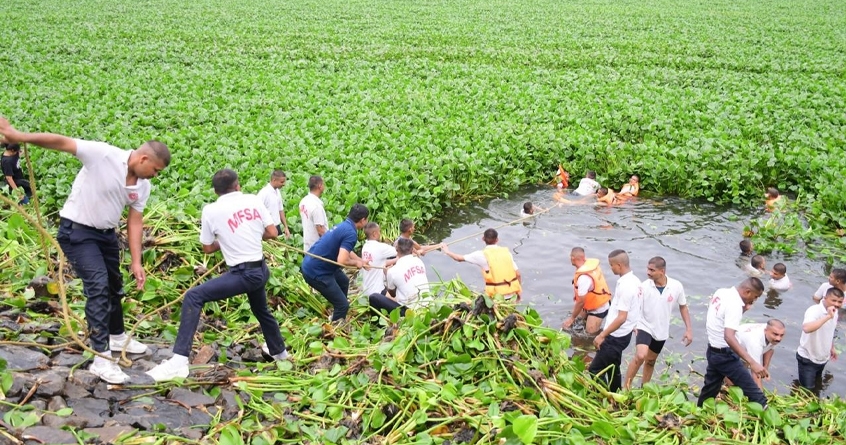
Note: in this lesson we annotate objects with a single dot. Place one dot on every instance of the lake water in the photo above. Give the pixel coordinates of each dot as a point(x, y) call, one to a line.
point(698, 240)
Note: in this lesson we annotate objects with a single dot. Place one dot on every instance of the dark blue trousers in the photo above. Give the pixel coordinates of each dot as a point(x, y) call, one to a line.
point(334, 288)
point(382, 302)
point(238, 280)
point(724, 363)
point(809, 372)
point(610, 354)
point(95, 257)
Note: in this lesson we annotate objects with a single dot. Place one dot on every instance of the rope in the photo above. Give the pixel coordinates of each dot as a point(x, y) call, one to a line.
point(527, 217)
point(33, 189)
point(286, 246)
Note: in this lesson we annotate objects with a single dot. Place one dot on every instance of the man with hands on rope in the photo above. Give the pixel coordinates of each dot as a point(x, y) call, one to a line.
point(110, 179)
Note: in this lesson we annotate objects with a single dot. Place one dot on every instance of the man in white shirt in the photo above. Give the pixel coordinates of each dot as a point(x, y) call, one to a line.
point(378, 254)
point(660, 293)
point(497, 264)
point(816, 345)
point(760, 340)
point(272, 199)
point(779, 281)
point(407, 282)
point(235, 225)
point(724, 351)
point(312, 214)
point(621, 320)
point(110, 180)
point(587, 185)
point(837, 278)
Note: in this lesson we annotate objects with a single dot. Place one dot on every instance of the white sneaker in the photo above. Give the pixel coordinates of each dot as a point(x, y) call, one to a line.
point(168, 370)
point(280, 356)
point(134, 346)
point(108, 371)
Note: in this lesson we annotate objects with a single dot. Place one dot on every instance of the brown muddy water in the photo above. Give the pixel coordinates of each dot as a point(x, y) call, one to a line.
point(698, 240)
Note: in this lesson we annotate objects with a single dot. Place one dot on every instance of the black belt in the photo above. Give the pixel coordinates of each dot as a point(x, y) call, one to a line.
point(503, 283)
point(78, 226)
point(249, 265)
point(719, 350)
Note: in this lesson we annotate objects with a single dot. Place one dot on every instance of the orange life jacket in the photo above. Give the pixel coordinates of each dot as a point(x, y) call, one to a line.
point(501, 277)
point(630, 189)
point(773, 203)
point(563, 177)
point(609, 198)
point(600, 293)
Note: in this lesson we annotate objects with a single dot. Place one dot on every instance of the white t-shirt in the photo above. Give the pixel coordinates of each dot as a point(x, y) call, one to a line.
point(724, 311)
point(408, 277)
point(478, 258)
point(99, 192)
point(780, 285)
point(237, 221)
point(586, 187)
point(312, 214)
point(753, 339)
point(377, 253)
point(272, 199)
point(657, 307)
point(627, 298)
point(820, 293)
point(816, 346)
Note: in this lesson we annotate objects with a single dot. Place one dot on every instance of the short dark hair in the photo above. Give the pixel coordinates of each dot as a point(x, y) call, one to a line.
point(406, 225)
point(745, 246)
point(776, 323)
point(753, 283)
point(160, 150)
point(527, 207)
point(358, 212)
point(834, 292)
point(370, 229)
point(11, 147)
point(757, 261)
point(405, 246)
point(314, 182)
point(603, 190)
point(490, 236)
point(780, 268)
point(839, 275)
point(577, 251)
point(224, 181)
point(772, 191)
point(278, 174)
point(619, 256)
point(658, 262)
point(592, 174)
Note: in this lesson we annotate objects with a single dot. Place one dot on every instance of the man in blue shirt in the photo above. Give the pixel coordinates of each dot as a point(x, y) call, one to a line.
point(336, 245)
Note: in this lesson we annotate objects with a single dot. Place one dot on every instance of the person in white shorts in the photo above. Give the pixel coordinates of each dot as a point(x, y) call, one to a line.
point(660, 293)
point(759, 340)
point(312, 213)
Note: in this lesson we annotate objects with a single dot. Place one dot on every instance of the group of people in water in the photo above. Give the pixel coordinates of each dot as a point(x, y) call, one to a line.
point(394, 277)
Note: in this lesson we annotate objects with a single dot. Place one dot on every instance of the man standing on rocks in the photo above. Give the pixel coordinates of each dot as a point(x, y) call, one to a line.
point(235, 225)
point(110, 179)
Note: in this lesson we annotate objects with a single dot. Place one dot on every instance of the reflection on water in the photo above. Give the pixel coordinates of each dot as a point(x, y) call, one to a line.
point(698, 240)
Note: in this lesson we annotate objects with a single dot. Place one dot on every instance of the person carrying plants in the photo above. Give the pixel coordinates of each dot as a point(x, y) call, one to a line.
point(630, 189)
point(110, 180)
point(816, 345)
point(407, 232)
point(312, 213)
point(272, 199)
point(498, 267)
point(623, 316)
point(235, 225)
point(759, 340)
point(407, 282)
point(336, 245)
point(11, 165)
point(660, 293)
point(377, 254)
point(724, 352)
point(590, 292)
